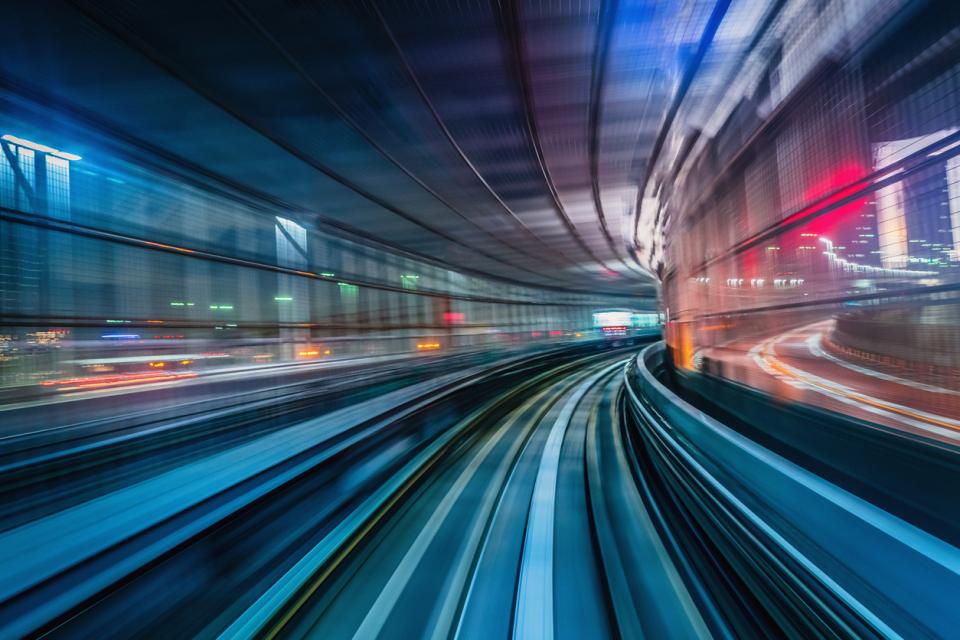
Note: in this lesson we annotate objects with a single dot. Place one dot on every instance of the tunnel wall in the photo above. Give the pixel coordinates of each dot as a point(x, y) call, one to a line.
point(123, 253)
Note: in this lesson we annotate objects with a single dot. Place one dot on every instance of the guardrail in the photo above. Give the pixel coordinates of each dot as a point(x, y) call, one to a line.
point(776, 548)
point(901, 471)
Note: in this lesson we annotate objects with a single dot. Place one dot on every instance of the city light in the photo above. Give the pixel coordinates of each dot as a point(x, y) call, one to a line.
point(646, 319)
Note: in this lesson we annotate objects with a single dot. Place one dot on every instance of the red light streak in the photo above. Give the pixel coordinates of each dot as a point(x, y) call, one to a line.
point(119, 380)
point(845, 182)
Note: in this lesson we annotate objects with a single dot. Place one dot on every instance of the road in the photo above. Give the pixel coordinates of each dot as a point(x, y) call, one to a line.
point(795, 365)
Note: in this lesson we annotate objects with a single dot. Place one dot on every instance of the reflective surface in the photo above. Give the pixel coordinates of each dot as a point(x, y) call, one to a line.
point(818, 258)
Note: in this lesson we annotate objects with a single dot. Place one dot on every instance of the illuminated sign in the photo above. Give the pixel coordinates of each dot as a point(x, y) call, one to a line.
point(612, 319)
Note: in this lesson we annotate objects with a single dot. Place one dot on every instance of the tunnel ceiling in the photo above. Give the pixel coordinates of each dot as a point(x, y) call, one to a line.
point(507, 139)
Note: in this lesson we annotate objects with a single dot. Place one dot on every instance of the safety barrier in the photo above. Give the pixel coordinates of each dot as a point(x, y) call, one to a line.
point(778, 548)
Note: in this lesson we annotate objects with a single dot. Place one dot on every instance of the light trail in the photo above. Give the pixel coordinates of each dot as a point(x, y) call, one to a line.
point(815, 346)
point(765, 356)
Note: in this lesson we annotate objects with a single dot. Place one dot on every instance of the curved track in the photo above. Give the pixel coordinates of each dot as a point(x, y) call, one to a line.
point(491, 504)
point(510, 536)
point(569, 495)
